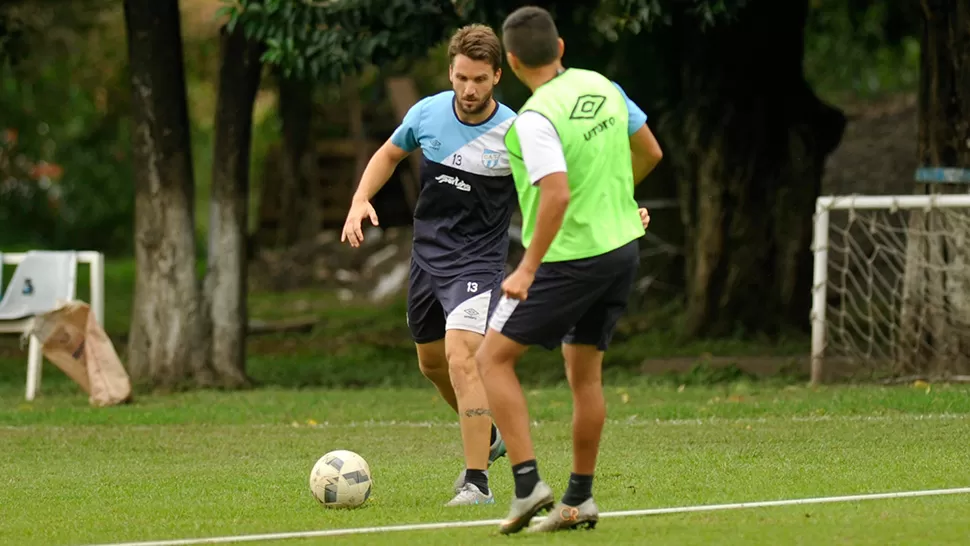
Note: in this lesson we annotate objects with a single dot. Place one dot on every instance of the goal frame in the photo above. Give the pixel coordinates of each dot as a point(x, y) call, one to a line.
point(820, 244)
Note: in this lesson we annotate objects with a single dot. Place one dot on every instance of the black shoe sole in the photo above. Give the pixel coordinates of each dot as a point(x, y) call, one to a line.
point(589, 525)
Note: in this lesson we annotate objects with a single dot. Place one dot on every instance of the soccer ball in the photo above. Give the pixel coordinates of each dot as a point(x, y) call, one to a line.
point(340, 479)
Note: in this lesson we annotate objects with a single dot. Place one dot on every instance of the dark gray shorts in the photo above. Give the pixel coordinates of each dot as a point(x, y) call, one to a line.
point(460, 302)
point(575, 302)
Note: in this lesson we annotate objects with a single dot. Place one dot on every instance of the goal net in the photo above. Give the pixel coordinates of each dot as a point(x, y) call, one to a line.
point(891, 290)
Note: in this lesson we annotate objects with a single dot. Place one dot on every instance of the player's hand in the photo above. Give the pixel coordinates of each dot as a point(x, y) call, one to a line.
point(516, 286)
point(645, 217)
point(352, 226)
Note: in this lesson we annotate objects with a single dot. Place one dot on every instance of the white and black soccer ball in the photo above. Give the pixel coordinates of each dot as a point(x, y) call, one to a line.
point(341, 479)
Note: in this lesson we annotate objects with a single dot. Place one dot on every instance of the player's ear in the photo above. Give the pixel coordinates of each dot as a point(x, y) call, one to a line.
point(498, 76)
point(562, 47)
point(513, 62)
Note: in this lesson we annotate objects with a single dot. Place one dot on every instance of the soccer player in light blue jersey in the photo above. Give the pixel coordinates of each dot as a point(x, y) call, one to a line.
point(460, 245)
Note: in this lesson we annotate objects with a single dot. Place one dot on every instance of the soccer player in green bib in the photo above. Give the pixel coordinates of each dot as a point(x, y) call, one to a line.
point(577, 149)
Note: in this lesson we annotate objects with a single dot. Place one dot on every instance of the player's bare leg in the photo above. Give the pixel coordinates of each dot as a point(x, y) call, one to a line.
point(497, 358)
point(584, 371)
point(474, 416)
point(473, 413)
point(434, 365)
point(433, 362)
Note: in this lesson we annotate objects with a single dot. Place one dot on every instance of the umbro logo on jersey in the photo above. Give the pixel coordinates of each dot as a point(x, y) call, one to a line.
point(453, 181)
point(587, 106)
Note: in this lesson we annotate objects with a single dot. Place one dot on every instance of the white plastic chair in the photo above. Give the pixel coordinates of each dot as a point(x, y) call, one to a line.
point(43, 281)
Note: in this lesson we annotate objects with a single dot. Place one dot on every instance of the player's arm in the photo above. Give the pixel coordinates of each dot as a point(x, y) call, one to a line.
point(545, 162)
point(644, 149)
point(381, 166)
point(378, 171)
point(645, 152)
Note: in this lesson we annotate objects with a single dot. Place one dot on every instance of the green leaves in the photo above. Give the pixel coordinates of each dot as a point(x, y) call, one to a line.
point(325, 39)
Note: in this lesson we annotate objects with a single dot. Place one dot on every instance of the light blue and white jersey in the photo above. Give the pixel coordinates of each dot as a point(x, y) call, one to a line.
point(467, 195)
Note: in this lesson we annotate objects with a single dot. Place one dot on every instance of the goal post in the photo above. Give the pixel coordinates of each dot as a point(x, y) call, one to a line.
point(891, 284)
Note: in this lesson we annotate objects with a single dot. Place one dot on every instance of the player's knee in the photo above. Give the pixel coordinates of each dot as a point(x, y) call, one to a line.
point(460, 348)
point(433, 369)
point(584, 364)
point(480, 360)
point(484, 359)
point(432, 361)
point(461, 359)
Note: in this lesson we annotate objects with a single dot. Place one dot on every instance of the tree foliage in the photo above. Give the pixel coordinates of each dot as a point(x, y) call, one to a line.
point(26, 26)
point(862, 48)
point(610, 19)
point(325, 39)
point(64, 148)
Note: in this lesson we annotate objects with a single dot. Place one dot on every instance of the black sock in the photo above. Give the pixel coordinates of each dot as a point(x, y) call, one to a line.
point(478, 479)
point(580, 489)
point(494, 434)
point(526, 475)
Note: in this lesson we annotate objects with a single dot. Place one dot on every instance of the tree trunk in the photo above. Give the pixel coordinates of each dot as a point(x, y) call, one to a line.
point(935, 337)
point(166, 345)
point(944, 95)
point(226, 292)
point(296, 110)
point(748, 141)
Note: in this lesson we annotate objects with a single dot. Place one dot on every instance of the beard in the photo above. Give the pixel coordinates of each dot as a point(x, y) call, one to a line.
point(476, 108)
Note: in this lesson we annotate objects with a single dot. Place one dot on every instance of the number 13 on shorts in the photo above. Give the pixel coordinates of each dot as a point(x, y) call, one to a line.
point(472, 287)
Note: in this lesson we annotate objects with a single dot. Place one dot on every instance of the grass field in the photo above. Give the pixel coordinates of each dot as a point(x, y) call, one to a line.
point(212, 464)
point(209, 463)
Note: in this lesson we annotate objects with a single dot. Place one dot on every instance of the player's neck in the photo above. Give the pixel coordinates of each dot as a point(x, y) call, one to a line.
point(475, 119)
point(537, 77)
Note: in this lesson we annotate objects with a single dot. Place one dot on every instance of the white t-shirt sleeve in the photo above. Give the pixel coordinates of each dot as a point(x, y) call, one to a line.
point(541, 148)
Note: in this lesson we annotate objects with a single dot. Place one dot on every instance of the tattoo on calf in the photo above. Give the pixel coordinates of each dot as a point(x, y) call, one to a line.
point(477, 412)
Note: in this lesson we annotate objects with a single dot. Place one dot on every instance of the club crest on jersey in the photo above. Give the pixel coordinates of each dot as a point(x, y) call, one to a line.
point(490, 158)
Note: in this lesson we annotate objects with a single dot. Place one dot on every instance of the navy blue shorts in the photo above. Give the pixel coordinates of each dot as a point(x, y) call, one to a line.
point(577, 302)
point(460, 302)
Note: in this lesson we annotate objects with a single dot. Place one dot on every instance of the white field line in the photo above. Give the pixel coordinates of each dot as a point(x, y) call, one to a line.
point(483, 523)
point(630, 421)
